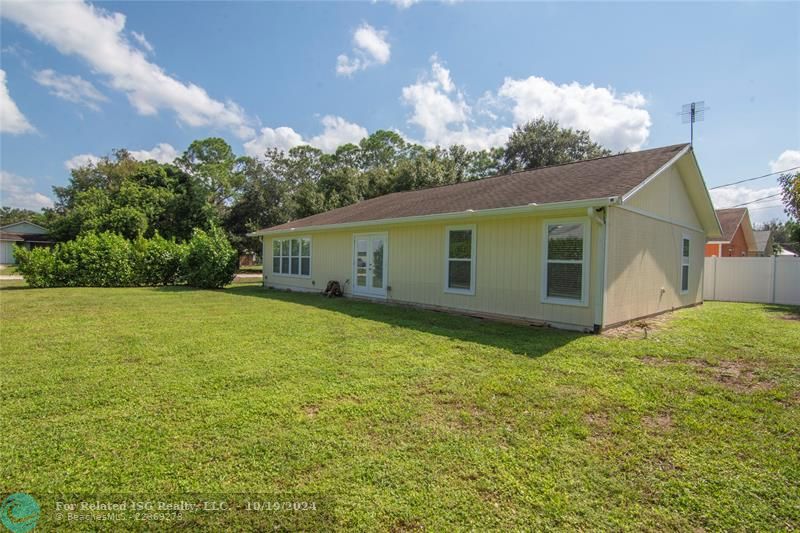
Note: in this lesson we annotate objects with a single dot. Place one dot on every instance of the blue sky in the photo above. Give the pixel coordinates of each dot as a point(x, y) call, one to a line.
point(80, 80)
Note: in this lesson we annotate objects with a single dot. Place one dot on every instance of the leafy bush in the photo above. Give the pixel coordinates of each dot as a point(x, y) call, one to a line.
point(37, 266)
point(95, 260)
point(158, 261)
point(109, 260)
point(211, 261)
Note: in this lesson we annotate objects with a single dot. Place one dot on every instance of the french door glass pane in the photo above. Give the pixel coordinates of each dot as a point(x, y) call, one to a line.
point(565, 242)
point(459, 275)
point(565, 280)
point(361, 262)
point(377, 263)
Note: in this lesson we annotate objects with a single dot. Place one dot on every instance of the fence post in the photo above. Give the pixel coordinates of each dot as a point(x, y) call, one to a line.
point(714, 287)
point(773, 280)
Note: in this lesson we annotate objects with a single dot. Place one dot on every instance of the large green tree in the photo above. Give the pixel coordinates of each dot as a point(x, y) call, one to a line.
point(131, 198)
point(541, 142)
point(214, 163)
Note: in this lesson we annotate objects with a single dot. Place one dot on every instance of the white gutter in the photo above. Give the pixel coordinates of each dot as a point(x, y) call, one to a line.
point(500, 211)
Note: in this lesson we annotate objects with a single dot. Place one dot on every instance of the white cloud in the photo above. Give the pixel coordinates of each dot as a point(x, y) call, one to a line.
point(98, 36)
point(81, 160)
point(618, 122)
point(16, 191)
point(370, 47)
point(71, 88)
point(11, 118)
point(443, 115)
point(162, 152)
point(788, 159)
point(336, 132)
point(143, 42)
point(282, 138)
point(403, 4)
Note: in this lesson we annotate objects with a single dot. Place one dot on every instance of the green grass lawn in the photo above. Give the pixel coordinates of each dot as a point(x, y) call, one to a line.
point(392, 418)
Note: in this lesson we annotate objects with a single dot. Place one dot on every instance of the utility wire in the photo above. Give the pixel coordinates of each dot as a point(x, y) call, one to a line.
point(756, 178)
point(759, 200)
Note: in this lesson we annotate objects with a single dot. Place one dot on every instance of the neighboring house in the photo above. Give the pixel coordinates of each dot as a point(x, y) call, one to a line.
point(584, 245)
point(763, 243)
point(738, 239)
point(25, 234)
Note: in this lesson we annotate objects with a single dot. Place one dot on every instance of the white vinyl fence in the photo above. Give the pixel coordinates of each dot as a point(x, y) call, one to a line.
point(772, 280)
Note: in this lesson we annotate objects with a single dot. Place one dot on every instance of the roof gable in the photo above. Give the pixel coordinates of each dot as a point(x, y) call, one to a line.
point(600, 178)
point(24, 226)
point(731, 220)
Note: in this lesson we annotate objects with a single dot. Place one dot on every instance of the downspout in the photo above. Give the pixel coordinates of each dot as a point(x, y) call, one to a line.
point(599, 216)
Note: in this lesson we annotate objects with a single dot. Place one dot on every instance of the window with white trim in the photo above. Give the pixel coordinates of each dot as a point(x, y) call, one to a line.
point(292, 257)
point(686, 246)
point(460, 259)
point(566, 265)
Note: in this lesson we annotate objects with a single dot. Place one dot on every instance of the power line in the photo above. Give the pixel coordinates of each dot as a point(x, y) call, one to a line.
point(759, 200)
point(753, 179)
point(765, 207)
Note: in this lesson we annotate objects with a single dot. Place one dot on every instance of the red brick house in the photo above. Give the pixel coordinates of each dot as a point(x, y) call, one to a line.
point(738, 238)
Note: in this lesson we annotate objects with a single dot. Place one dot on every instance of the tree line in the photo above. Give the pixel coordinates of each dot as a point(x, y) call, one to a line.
point(209, 185)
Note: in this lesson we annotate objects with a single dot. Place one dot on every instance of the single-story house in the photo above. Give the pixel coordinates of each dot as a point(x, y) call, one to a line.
point(738, 238)
point(584, 245)
point(23, 233)
point(763, 243)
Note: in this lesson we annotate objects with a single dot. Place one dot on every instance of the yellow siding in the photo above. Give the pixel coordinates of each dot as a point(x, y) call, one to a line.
point(508, 266)
point(644, 256)
point(666, 197)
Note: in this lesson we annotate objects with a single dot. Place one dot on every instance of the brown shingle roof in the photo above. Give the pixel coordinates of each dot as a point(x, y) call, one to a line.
point(583, 180)
point(730, 219)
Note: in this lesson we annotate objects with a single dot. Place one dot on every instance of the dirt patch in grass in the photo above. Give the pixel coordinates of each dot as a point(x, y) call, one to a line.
point(659, 422)
point(740, 376)
point(311, 410)
point(639, 329)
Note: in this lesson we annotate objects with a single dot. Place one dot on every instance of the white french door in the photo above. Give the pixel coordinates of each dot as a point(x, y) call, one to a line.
point(369, 264)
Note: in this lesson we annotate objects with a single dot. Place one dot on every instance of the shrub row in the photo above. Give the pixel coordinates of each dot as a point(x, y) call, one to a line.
point(109, 260)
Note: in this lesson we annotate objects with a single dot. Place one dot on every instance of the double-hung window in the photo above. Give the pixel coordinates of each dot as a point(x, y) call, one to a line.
point(292, 257)
point(460, 259)
point(686, 246)
point(566, 262)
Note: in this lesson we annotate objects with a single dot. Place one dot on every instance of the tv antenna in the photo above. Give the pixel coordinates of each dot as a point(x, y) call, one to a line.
point(691, 113)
